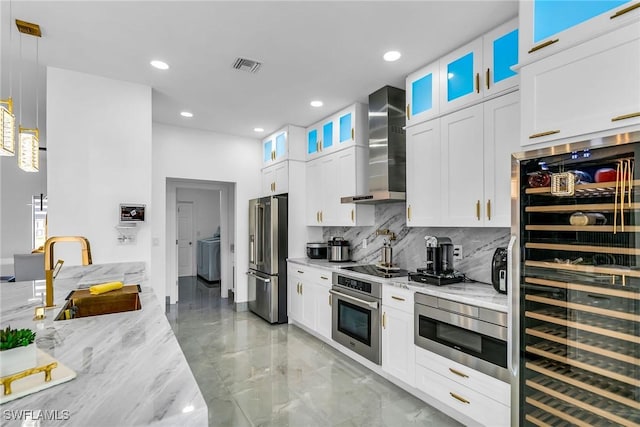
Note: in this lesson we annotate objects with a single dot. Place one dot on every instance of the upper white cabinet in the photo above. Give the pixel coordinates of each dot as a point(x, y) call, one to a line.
point(458, 166)
point(591, 87)
point(275, 179)
point(548, 27)
point(423, 94)
point(343, 129)
point(331, 177)
point(286, 144)
point(480, 68)
point(424, 169)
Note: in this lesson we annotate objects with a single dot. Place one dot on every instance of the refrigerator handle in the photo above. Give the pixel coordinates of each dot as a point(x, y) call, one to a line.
point(513, 323)
point(260, 234)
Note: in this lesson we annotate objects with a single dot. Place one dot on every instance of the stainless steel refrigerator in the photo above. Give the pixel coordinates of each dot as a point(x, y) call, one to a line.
point(574, 280)
point(267, 258)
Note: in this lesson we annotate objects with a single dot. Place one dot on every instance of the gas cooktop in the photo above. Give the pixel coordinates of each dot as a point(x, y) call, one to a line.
point(374, 270)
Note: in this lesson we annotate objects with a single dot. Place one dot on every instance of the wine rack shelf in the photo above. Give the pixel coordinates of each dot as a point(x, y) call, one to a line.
point(596, 189)
point(593, 228)
point(621, 293)
point(583, 268)
point(591, 207)
point(583, 248)
point(621, 314)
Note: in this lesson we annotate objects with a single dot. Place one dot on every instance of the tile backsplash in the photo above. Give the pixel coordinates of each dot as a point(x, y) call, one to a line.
point(478, 244)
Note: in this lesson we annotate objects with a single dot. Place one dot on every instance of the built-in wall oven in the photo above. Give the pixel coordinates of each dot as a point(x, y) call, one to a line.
point(470, 335)
point(356, 315)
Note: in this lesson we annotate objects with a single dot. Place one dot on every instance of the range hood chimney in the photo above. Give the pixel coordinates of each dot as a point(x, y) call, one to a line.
point(387, 148)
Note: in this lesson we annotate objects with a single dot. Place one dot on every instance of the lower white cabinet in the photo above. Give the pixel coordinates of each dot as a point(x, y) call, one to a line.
point(591, 87)
point(309, 302)
point(472, 393)
point(398, 350)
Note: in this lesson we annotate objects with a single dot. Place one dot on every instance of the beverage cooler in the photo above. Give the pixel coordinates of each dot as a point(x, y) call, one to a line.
point(574, 284)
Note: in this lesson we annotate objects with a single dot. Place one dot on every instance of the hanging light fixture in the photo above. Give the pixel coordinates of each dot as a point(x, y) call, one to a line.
point(7, 125)
point(7, 118)
point(29, 138)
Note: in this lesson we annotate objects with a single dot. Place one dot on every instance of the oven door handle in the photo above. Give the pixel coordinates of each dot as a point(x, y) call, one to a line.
point(372, 304)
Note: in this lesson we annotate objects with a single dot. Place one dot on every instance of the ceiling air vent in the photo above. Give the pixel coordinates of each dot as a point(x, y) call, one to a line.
point(248, 65)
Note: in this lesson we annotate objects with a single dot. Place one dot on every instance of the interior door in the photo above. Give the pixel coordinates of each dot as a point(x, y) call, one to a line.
point(185, 239)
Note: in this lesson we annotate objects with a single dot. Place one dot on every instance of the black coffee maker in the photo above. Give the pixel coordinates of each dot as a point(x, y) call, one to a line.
point(439, 255)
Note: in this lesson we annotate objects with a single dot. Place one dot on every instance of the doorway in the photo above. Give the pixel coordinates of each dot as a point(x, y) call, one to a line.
point(201, 195)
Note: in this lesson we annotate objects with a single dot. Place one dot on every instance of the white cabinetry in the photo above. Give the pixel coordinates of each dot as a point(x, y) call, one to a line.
point(592, 87)
point(548, 27)
point(279, 149)
point(275, 179)
point(331, 177)
point(398, 350)
point(472, 393)
point(458, 166)
point(309, 302)
point(423, 94)
point(346, 128)
point(424, 169)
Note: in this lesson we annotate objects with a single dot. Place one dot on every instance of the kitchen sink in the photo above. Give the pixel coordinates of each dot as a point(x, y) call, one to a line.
point(80, 303)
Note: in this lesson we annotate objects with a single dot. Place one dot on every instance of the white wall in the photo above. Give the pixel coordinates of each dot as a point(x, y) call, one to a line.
point(206, 210)
point(99, 155)
point(181, 153)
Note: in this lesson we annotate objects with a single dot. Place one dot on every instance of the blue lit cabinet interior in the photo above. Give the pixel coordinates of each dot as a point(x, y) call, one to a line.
point(313, 140)
point(500, 50)
point(274, 148)
point(343, 129)
point(423, 94)
point(549, 26)
point(460, 76)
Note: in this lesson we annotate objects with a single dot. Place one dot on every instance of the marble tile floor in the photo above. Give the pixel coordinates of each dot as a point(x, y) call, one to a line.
point(255, 374)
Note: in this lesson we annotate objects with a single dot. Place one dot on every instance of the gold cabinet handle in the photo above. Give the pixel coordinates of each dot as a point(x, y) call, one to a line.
point(489, 209)
point(477, 82)
point(460, 374)
point(321, 220)
point(324, 277)
point(330, 299)
point(384, 320)
point(478, 210)
point(317, 216)
point(353, 134)
point(397, 298)
point(625, 10)
point(409, 213)
point(543, 45)
point(353, 215)
point(408, 111)
point(458, 397)
point(626, 116)
point(300, 271)
point(300, 288)
point(541, 134)
point(488, 78)
point(274, 186)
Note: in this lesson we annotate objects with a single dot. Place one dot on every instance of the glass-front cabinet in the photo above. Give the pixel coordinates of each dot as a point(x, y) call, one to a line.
point(580, 288)
point(549, 26)
point(460, 76)
point(423, 94)
point(343, 129)
point(284, 144)
point(500, 52)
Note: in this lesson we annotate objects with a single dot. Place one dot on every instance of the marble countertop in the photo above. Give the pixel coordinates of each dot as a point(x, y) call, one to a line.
point(130, 368)
point(475, 293)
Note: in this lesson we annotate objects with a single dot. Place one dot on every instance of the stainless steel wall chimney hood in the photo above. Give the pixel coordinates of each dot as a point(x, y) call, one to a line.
point(387, 148)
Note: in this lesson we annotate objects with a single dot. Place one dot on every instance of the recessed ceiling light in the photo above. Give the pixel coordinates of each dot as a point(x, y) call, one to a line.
point(316, 103)
point(186, 114)
point(160, 65)
point(392, 55)
point(258, 130)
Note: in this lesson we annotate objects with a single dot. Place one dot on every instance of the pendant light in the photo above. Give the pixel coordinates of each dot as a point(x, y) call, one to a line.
point(7, 118)
point(29, 145)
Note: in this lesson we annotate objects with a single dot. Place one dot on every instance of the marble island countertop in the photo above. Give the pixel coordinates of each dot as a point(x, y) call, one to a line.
point(475, 293)
point(130, 368)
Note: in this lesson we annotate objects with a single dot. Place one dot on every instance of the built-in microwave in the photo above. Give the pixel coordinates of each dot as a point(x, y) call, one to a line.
point(470, 335)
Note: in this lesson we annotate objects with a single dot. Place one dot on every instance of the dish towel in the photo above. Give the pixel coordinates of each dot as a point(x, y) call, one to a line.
point(105, 287)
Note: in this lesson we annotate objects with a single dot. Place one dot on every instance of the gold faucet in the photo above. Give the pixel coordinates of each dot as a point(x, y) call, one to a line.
point(49, 264)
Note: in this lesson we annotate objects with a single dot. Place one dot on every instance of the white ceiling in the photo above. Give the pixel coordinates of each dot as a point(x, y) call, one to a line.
point(328, 50)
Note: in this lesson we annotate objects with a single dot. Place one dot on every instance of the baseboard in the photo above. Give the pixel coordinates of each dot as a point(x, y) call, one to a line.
point(241, 306)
